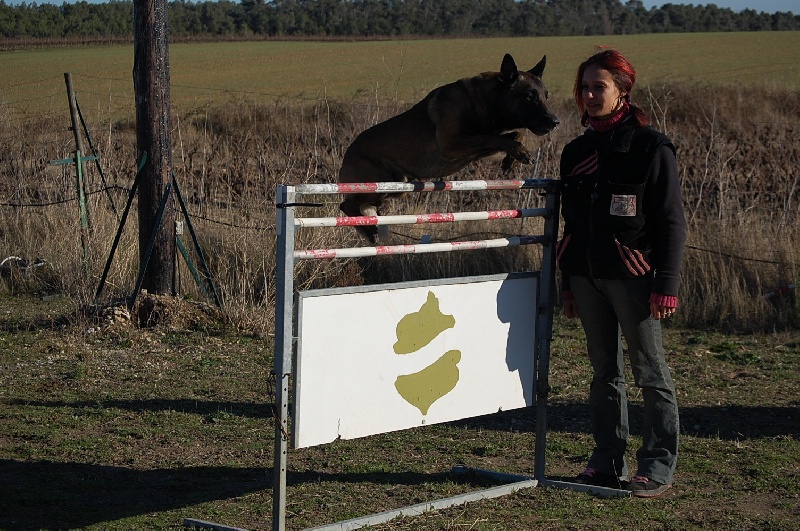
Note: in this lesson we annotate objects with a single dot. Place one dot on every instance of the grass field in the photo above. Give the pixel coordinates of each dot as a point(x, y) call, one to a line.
point(208, 73)
point(107, 426)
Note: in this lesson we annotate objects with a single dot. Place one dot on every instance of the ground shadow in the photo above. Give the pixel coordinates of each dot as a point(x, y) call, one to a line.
point(49, 495)
point(723, 422)
point(198, 407)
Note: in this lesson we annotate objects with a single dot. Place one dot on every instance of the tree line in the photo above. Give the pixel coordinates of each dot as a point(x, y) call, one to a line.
point(384, 18)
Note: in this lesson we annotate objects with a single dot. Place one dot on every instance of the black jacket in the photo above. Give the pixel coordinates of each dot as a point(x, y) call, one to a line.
point(622, 207)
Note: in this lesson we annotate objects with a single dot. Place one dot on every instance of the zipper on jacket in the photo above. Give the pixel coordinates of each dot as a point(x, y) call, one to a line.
point(592, 200)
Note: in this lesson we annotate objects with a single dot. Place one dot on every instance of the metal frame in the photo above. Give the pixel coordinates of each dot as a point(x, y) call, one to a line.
point(207, 288)
point(287, 200)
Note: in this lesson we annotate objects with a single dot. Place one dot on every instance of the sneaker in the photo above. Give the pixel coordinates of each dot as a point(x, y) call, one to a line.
point(644, 487)
point(595, 478)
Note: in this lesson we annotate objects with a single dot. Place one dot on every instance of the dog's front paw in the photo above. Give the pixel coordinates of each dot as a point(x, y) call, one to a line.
point(507, 164)
point(515, 136)
point(369, 232)
point(520, 154)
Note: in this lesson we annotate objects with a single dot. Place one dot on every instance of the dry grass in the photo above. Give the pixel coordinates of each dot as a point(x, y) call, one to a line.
point(738, 149)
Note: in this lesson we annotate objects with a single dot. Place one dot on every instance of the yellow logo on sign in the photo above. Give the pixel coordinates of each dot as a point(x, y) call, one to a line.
point(415, 331)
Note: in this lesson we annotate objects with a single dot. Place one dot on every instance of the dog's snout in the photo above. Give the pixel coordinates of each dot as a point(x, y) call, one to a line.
point(546, 124)
point(549, 123)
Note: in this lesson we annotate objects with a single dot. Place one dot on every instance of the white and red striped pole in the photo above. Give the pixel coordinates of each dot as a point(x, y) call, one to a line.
point(415, 219)
point(427, 186)
point(419, 248)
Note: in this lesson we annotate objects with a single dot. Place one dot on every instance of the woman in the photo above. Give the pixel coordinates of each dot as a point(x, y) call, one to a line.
point(624, 234)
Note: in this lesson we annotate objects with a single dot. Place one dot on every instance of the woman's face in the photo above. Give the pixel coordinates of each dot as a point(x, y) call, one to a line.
point(601, 96)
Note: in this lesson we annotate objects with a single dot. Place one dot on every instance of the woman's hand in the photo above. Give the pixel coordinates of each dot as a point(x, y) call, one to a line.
point(571, 309)
point(660, 312)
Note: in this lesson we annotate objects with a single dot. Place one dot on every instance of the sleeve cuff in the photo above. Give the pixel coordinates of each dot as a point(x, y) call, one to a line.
point(668, 301)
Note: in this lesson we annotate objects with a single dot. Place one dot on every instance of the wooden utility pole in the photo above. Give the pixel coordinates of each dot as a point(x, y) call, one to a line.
point(154, 140)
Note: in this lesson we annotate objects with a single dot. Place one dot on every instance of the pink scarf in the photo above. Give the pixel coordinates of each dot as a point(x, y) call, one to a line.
point(608, 123)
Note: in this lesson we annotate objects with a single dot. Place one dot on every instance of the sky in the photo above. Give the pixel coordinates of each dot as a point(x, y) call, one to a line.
point(769, 6)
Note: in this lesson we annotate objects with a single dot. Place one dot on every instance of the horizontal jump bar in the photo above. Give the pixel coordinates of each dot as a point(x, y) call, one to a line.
point(415, 219)
point(419, 248)
point(420, 186)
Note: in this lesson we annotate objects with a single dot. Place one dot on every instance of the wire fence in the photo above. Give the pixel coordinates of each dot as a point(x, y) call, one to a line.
point(109, 103)
point(16, 108)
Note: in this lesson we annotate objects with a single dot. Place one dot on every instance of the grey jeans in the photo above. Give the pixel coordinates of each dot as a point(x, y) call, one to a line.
point(610, 310)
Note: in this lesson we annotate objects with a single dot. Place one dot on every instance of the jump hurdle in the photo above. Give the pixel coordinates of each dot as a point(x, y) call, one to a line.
point(286, 334)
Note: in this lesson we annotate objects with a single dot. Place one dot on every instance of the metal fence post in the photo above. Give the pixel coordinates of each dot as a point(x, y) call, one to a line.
point(284, 208)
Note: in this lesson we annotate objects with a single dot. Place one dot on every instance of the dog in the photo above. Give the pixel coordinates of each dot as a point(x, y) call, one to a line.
point(453, 126)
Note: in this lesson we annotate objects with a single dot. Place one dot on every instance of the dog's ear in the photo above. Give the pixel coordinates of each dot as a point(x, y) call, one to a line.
point(538, 70)
point(508, 70)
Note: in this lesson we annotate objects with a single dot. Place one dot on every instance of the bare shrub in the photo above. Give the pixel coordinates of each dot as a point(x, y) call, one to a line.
point(737, 147)
point(738, 151)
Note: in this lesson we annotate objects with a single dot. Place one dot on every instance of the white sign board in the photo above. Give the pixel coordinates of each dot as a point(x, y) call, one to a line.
point(375, 359)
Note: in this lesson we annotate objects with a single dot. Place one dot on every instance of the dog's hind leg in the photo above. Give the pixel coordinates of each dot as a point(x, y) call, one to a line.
point(362, 205)
point(368, 209)
point(354, 167)
point(351, 206)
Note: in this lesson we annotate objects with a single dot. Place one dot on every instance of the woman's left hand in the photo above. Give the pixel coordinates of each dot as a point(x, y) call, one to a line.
point(661, 312)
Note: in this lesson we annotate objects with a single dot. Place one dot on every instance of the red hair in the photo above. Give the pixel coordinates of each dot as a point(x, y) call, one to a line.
point(622, 72)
